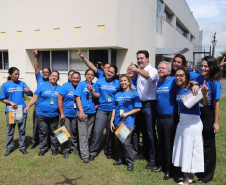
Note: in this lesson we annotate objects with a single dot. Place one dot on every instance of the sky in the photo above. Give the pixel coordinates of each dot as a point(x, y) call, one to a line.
point(211, 17)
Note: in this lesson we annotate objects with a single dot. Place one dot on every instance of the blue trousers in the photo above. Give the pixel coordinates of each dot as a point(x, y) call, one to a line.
point(10, 133)
point(147, 122)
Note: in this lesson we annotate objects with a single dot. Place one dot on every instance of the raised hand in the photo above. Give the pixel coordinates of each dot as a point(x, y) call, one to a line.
point(204, 88)
point(35, 53)
point(89, 86)
point(222, 64)
point(132, 67)
point(80, 53)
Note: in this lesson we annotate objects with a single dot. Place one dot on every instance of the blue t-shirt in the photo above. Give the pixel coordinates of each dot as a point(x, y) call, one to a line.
point(134, 84)
point(46, 92)
point(40, 81)
point(127, 100)
point(99, 74)
point(214, 88)
point(13, 91)
point(190, 69)
point(166, 96)
point(193, 76)
point(195, 110)
point(107, 90)
point(68, 93)
point(88, 103)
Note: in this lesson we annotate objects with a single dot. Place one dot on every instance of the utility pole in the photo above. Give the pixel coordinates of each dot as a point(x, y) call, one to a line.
point(214, 41)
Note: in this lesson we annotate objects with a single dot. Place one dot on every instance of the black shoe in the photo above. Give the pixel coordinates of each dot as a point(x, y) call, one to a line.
point(140, 157)
point(54, 152)
point(130, 167)
point(150, 165)
point(23, 151)
point(75, 151)
point(117, 163)
point(65, 155)
point(86, 160)
point(91, 157)
point(7, 152)
point(108, 156)
point(34, 144)
point(41, 153)
point(159, 169)
point(167, 176)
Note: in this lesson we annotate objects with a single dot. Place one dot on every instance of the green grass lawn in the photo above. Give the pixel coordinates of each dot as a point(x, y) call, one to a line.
point(32, 169)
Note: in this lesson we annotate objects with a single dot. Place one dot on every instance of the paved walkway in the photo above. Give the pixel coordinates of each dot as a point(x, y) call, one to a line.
point(223, 87)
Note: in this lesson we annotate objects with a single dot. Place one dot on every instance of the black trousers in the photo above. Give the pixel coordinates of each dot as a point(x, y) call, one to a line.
point(46, 126)
point(208, 118)
point(35, 136)
point(166, 128)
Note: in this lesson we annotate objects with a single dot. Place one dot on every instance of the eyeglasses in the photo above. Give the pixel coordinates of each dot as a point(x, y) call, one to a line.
point(179, 75)
point(45, 72)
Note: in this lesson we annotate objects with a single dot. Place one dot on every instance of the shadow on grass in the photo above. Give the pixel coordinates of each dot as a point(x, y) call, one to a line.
point(68, 181)
point(28, 142)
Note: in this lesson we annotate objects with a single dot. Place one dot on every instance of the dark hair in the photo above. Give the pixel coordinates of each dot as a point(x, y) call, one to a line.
point(76, 72)
point(70, 71)
point(11, 71)
point(47, 68)
point(56, 72)
point(145, 52)
point(187, 77)
point(214, 69)
point(129, 79)
point(116, 71)
point(184, 62)
point(89, 70)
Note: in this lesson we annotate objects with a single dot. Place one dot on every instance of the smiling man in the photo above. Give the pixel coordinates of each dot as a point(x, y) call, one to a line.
point(167, 117)
point(146, 87)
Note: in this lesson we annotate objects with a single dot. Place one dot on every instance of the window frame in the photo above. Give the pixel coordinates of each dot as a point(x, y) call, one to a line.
point(3, 61)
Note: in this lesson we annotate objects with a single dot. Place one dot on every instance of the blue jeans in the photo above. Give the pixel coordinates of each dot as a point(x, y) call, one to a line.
point(147, 121)
point(10, 133)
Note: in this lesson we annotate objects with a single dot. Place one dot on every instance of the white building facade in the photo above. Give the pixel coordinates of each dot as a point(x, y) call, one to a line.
point(105, 30)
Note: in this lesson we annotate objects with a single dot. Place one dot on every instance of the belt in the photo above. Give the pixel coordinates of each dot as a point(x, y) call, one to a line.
point(165, 115)
point(148, 101)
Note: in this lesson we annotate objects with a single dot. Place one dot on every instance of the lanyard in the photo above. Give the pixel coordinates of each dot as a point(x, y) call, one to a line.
point(109, 87)
point(52, 92)
point(123, 98)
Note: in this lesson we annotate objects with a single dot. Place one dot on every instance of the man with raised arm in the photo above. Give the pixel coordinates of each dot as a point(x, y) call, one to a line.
point(146, 87)
point(41, 79)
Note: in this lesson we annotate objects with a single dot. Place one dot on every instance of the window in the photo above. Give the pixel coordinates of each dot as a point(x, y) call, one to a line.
point(181, 30)
point(4, 60)
point(167, 17)
point(159, 16)
point(66, 60)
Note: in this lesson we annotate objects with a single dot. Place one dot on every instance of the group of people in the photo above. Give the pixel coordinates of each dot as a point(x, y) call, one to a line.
point(141, 98)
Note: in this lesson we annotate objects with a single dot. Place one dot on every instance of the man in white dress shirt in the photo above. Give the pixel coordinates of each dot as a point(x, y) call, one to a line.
point(146, 87)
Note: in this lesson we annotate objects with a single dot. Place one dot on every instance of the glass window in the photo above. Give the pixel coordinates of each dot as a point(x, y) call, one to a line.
point(60, 60)
point(44, 59)
point(76, 63)
point(4, 61)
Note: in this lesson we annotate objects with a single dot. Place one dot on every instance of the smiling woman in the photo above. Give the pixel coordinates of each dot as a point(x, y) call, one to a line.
point(47, 112)
point(12, 94)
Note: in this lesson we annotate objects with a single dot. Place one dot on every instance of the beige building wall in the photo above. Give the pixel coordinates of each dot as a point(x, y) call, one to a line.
point(124, 25)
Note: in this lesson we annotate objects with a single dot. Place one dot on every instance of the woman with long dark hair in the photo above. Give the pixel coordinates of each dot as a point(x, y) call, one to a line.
point(105, 89)
point(68, 109)
point(211, 73)
point(12, 94)
point(188, 146)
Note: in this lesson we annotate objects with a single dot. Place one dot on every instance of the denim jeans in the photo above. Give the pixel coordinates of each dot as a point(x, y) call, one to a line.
point(10, 133)
point(147, 121)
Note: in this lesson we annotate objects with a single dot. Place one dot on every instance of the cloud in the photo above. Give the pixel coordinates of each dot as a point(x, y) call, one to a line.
point(211, 18)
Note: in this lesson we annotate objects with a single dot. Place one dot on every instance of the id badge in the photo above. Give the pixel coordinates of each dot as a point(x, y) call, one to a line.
point(121, 111)
point(51, 101)
point(75, 105)
point(109, 98)
point(90, 98)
